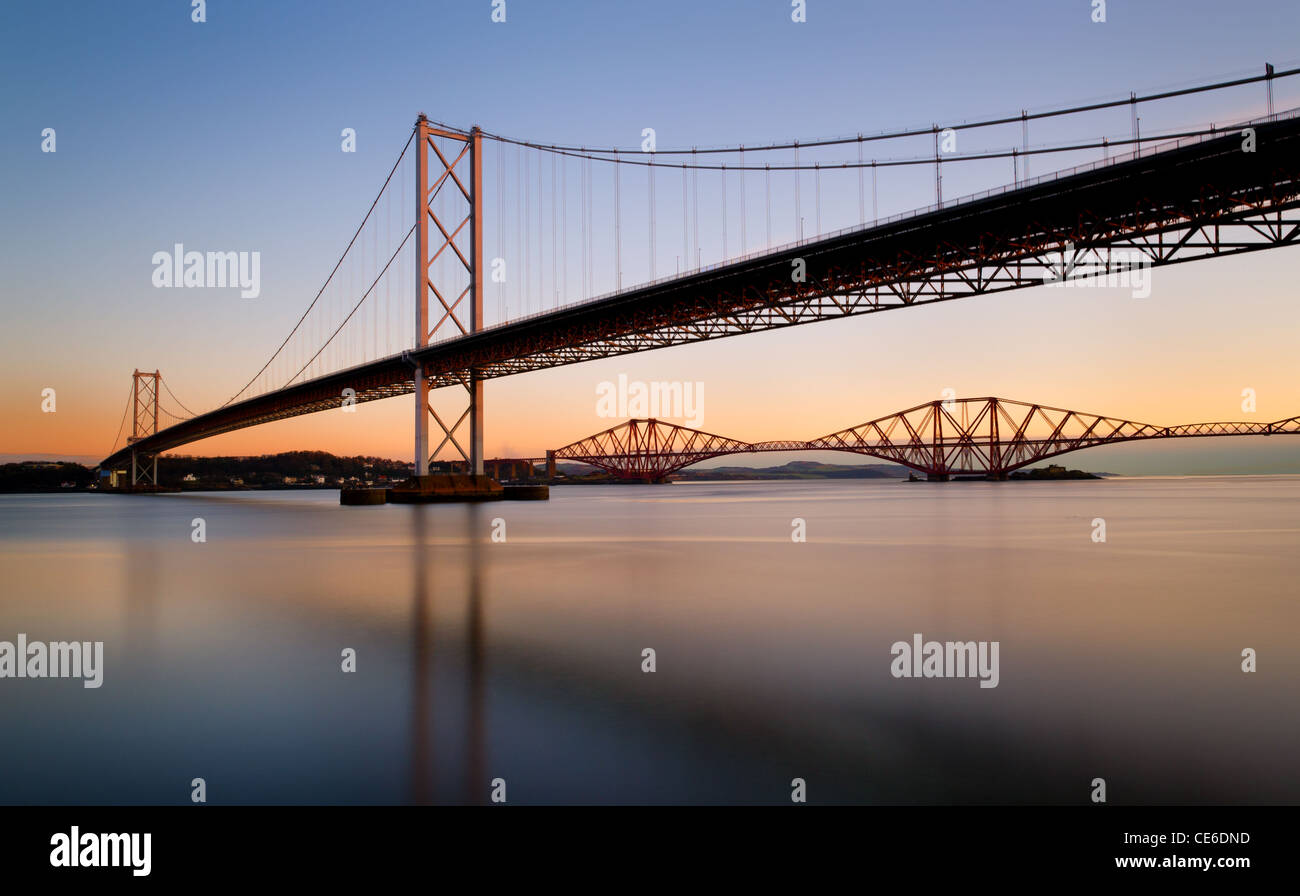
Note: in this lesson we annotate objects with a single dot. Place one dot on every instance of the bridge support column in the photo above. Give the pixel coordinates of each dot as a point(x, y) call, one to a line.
point(144, 469)
point(476, 426)
point(421, 292)
point(476, 295)
point(421, 422)
point(144, 423)
point(936, 477)
point(456, 195)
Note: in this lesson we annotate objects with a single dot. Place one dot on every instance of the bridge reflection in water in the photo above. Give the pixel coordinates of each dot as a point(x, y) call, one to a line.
point(423, 712)
point(223, 658)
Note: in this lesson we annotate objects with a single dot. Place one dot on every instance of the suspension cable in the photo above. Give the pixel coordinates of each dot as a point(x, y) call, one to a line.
point(130, 397)
point(651, 172)
point(379, 276)
point(175, 399)
point(1131, 99)
point(400, 156)
point(1213, 130)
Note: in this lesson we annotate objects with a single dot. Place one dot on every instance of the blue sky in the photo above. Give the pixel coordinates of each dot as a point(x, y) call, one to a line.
point(226, 133)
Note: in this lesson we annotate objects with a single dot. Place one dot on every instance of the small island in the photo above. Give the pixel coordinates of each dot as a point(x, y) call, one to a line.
point(1052, 471)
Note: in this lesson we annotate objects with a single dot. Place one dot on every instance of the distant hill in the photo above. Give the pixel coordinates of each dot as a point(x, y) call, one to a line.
point(288, 469)
point(291, 469)
point(44, 476)
point(798, 469)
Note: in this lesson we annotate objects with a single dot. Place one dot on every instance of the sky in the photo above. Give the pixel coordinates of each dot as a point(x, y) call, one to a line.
point(225, 134)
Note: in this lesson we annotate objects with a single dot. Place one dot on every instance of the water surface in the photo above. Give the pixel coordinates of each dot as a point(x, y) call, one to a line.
point(522, 659)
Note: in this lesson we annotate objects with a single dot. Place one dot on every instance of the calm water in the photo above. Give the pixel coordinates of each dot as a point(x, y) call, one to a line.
point(522, 660)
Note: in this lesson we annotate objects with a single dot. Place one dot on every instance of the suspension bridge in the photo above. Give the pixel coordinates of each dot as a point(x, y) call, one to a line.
point(555, 281)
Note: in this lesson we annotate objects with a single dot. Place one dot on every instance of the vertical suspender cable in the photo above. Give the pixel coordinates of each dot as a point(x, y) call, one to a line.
point(686, 257)
point(591, 226)
point(695, 208)
point(499, 150)
point(862, 198)
point(518, 273)
point(798, 206)
point(374, 298)
point(742, 201)
point(555, 278)
point(767, 178)
point(582, 224)
point(591, 230)
point(356, 327)
point(388, 293)
point(938, 178)
point(564, 225)
point(541, 241)
point(651, 170)
point(1024, 137)
point(618, 223)
point(1268, 84)
point(724, 211)
point(526, 305)
point(343, 346)
point(875, 207)
point(817, 175)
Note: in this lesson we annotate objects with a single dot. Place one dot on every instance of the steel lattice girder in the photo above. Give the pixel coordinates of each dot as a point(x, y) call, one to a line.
point(1208, 199)
point(648, 449)
point(968, 436)
point(993, 436)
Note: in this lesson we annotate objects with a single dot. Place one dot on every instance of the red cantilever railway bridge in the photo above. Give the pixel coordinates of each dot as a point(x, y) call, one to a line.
point(963, 437)
point(1194, 198)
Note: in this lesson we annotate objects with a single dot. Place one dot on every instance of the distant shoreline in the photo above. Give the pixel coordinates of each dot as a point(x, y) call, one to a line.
point(321, 471)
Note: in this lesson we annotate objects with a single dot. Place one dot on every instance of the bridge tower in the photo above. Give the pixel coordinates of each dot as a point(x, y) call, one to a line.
point(460, 295)
point(144, 423)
